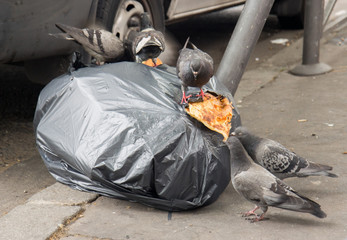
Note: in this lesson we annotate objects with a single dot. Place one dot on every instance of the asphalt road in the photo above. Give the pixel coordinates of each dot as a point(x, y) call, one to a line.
point(22, 172)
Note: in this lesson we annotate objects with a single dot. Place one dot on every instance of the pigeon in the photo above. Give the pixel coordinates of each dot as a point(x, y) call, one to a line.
point(262, 188)
point(147, 44)
point(99, 43)
point(277, 159)
point(194, 67)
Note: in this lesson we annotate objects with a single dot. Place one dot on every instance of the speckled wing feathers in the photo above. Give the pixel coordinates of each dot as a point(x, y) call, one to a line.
point(279, 160)
point(101, 44)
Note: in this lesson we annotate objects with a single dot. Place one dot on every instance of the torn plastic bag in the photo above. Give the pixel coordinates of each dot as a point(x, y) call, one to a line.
point(119, 130)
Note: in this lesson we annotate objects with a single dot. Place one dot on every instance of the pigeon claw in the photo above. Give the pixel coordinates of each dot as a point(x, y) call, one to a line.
point(201, 94)
point(251, 212)
point(184, 98)
point(256, 219)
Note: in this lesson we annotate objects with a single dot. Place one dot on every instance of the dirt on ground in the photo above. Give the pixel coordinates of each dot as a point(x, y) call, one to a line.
point(18, 98)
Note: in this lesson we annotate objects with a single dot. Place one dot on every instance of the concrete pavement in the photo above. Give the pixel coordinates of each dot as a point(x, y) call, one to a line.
point(306, 114)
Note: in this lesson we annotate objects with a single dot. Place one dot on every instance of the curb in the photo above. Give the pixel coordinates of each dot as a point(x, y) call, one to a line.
point(44, 213)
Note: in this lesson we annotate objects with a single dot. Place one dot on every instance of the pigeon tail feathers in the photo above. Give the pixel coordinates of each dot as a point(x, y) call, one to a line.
point(313, 207)
point(187, 41)
point(194, 47)
point(66, 28)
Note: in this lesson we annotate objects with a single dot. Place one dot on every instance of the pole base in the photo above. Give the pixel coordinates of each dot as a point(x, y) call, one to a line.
point(310, 69)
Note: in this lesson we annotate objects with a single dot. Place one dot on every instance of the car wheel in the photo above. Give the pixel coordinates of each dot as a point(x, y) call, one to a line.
point(290, 13)
point(122, 16)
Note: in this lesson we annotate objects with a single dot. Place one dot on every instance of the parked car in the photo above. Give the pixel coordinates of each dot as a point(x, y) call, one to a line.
point(25, 25)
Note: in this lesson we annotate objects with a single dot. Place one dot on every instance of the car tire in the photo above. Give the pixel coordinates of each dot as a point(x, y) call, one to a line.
point(122, 16)
point(293, 22)
point(290, 13)
point(109, 10)
point(110, 15)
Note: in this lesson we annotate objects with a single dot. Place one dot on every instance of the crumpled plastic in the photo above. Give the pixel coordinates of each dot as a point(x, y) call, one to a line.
point(119, 130)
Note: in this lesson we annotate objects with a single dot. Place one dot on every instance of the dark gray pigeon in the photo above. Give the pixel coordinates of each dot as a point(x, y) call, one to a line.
point(277, 159)
point(262, 188)
point(194, 67)
point(100, 44)
point(148, 43)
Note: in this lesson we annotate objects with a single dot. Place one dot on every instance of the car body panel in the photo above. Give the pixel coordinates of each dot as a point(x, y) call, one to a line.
point(179, 9)
point(25, 24)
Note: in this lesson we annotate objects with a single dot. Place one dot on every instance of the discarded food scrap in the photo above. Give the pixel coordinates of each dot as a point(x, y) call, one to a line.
point(215, 112)
point(151, 63)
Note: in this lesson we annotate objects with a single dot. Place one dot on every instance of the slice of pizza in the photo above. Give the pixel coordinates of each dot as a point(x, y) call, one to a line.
point(215, 112)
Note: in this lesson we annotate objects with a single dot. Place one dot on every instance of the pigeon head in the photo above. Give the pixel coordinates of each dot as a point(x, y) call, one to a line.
point(246, 138)
point(232, 142)
point(145, 21)
point(240, 132)
point(249, 141)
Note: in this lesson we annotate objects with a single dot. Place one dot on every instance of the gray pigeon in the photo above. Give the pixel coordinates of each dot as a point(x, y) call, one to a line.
point(262, 188)
point(100, 44)
point(148, 43)
point(277, 159)
point(195, 68)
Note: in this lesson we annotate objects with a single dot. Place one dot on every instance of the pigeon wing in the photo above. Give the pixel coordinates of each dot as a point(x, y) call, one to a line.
point(103, 43)
point(279, 160)
point(183, 69)
point(99, 43)
point(253, 183)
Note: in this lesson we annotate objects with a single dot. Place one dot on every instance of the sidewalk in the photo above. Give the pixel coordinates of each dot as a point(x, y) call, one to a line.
point(271, 102)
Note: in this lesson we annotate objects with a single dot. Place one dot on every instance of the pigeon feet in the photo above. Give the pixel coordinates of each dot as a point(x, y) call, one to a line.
point(184, 98)
point(251, 212)
point(202, 94)
point(256, 218)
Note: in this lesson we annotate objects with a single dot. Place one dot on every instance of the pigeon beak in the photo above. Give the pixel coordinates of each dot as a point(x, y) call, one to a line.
point(232, 134)
point(195, 74)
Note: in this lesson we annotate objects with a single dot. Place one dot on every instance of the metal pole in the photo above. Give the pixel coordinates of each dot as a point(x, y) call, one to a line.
point(327, 11)
point(314, 10)
point(242, 42)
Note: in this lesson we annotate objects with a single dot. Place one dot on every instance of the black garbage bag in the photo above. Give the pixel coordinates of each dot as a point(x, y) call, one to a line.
point(119, 130)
